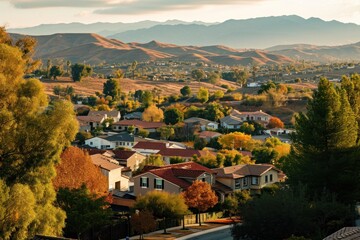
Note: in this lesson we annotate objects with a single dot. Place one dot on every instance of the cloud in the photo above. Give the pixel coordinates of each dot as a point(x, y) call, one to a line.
point(125, 7)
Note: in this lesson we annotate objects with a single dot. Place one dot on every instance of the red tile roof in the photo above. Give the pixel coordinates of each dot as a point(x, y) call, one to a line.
point(122, 154)
point(150, 145)
point(139, 123)
point(209, 134)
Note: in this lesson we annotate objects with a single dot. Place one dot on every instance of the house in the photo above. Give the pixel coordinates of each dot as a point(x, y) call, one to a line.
point(115, 115)
point(88, 123)
point(231, 122)
point(346, 233)
point(129, 159)
point(138, 124)
point(153, 147)
point(173, 178)
point(236, 118)
point(204, 124)
point(278, 131)
point(186, 154)
point(112, 141)
point(112, 170)
point(133, 115)
point(208, 135)
point(249, 176)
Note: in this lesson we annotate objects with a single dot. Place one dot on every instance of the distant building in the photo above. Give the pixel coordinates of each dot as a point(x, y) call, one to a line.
point(236, 118)
point(138, 124)
point(115, 115)
point(125, 140)
point(204, 124)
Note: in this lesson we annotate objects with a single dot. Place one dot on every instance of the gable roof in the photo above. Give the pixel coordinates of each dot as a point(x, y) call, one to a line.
point(259, 113)
point(231, 120)
point(187, 153)
point(150, 145)
point(133, 115)
point(201, 121)
point(120, 137)
point(122, 154)
point(139, 123)
point(209, 134)
point(104, 162)
point(102, 113)
point(243, 170)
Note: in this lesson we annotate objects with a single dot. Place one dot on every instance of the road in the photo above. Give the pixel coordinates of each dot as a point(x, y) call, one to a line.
point(224, 234)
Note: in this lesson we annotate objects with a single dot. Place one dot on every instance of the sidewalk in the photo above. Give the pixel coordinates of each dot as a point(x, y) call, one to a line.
point(192, 230)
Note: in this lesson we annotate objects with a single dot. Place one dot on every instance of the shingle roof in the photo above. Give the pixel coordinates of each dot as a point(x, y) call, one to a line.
point(346, 233)
point(102, 113)
point(150, 145)
point(139, 123)
point(231, 120)
point(121, 137)
point(209, 134)
point(173, 152)
point(201, 121)
point(104, 162)
point(242, 114)
point(242, 170)
point(122, 154)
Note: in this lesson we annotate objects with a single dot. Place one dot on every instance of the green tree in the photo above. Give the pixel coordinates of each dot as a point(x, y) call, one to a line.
point(55, 71)
point(68, 65)
point(185, 91)
point(112, 88)
point(162, 205)
point(198, 74)
point(48, 67)
point(166, 132)
point(33, 134)
point(218, 94)
point(213, 78)
point(146, 98)
point(173, 116)
point(247, 128)
point(78, 71)
point(83, 210)
point(133, 68)
point(203, 95)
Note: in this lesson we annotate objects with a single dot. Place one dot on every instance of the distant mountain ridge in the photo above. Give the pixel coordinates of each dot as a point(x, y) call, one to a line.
point(95, 49)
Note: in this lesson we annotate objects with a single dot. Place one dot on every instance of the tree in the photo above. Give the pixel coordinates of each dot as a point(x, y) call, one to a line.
point(199, 143)
point(112, 88)
point(83, 210)
point(213, 78)
point(27, 47)
point(324, 137)
point(203, 95)
point(200, 196)
point(48, 67)
point(173, 116)
point(133, 68)
point(76, 169)
point(68, 65)
point(218, 94)
point(230, 205)
point(162, 205)
point(143, 133)
point(185, 91)
point(247, 128)
point(198, 74)
point(265, 155)
point(153, 114)
point(143, 222)
point(146, 98)
point(152, 160)
point(55, 71)
point(33, 134)
point(275, 122)
point(166, 132)
point(78, 71)
point(237, 140)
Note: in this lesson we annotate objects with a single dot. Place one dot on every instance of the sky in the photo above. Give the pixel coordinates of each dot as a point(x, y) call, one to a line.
point(26, 13)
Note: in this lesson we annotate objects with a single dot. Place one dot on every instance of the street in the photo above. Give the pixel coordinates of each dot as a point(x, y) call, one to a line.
point(224, 234)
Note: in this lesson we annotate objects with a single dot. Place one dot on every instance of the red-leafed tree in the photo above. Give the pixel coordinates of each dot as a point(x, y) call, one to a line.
point(275, 122)
point(75, 169)
point(200, 196)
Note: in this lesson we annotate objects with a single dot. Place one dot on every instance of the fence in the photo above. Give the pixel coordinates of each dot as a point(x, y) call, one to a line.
point(193, 218)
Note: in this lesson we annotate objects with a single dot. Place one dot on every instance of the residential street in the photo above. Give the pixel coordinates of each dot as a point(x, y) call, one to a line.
point(223, 234)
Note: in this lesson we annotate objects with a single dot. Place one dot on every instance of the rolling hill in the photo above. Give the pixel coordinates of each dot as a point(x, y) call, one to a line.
point(95, 49)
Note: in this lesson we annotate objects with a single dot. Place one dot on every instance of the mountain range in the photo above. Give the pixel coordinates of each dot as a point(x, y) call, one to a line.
point(95, 49)
point(255, 33)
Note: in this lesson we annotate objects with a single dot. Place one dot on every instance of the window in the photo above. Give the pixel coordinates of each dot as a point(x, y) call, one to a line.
point(238, 183)
point(144, 182)
point(91, 143)
point(158, 183)
point(271, 178)
point(245, 182)
point(117, 185)
point(266, 178)
point(254, 181)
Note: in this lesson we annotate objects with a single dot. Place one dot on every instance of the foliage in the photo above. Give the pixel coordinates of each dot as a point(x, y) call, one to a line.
point(185, 91)
point(33, 135)
point(237, 140)
point(82, 136)
point(199, 143)
point(230, 205)
point(173, 115)
point(292, 214)
point(112, 88)
point(78, 71)
point(55, 71)
point(275, 122)
point(198, 74)
point(153, 114)
point(76, 169)
point(214, 78)
point(174, 160)
point(247, 128)
point(153, 160)
point(265, 155)
point(146, 98)
point(166, 132)
point(143, 133)
point(162, 205)
point(143, 222)
point(203, 95)
point(64, 91)
point(200, 196)
point(83, 210)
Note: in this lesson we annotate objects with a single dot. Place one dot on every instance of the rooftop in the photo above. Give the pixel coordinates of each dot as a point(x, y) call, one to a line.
point(102, 113)
point(104, 162)
point(139, 123)
point(243, 170)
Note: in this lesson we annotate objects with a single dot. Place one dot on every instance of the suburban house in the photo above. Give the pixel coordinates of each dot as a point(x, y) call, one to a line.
point(173, 178)
point(208, 135)
point(133, 115)
point(202, 123)
point(115, 115)
point(236, 118)
point(138, 124)
point(152, 147)
point(88, 123)
point(112, 170)
point(186, 154)
point(278, 131)
point(125, 140)
point(249, 176)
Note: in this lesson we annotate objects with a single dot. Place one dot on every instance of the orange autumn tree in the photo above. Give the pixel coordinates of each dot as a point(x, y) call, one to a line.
point(275, 122)
point(200, 196)
point(75, 169)
point(237, 140)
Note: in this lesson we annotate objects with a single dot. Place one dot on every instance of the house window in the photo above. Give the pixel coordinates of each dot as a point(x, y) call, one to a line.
point(245, 181)
point(117, 185)
point(91, 143)
point(259, 118)
point(271, 178)
point(144, 182)
point(238, 183)
point(266, 179)
point(254, 181)
point(158, 183)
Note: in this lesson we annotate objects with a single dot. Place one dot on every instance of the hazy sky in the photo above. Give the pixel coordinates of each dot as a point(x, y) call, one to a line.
point(24, 13)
